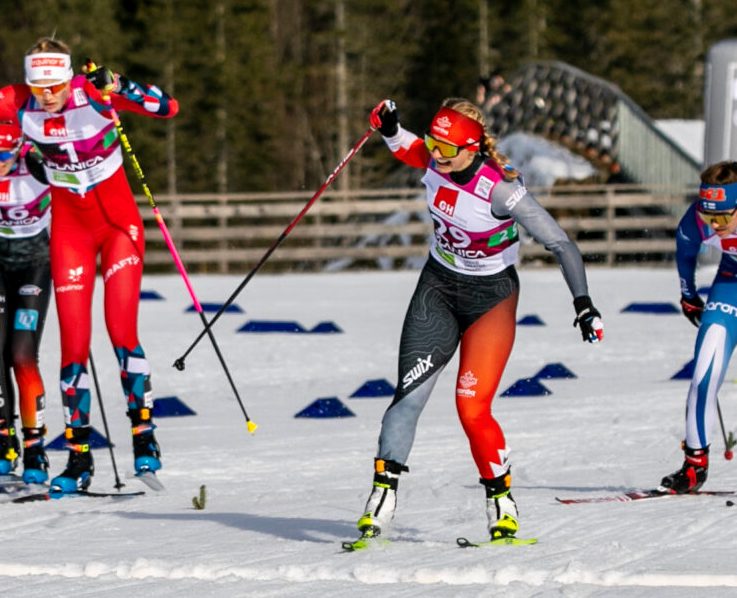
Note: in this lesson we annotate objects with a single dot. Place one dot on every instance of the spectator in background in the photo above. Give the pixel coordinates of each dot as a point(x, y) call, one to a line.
point(490, 90)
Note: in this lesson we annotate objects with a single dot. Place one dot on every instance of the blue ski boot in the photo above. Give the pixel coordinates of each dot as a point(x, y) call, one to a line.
point(80, 466)
point(35, 461)
point(9, 450)
point(146, 451)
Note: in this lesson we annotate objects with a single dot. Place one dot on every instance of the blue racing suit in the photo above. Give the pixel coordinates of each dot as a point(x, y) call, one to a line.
point(717, 334)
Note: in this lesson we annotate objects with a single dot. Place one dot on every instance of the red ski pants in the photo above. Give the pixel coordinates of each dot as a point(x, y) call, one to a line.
point(105, 221)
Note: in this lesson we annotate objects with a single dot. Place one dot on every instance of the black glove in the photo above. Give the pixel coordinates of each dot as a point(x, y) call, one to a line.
point(588, 319)
point(101, 77)
point(692, 308)
point(385, 118)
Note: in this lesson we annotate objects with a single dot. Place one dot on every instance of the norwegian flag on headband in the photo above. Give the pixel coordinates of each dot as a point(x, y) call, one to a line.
point(48, 66)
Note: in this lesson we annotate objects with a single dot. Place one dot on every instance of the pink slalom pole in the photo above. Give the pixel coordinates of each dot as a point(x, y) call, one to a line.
point(179, 363)
point(250, 425)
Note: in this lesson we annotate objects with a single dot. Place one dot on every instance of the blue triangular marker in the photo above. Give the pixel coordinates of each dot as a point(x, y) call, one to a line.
point(325, 328)
point(271, 326)
point(170, 407)
point(150, 296)
point(526, 387)
point(555, 370)
point(685, 373)
point(530, 320)
point(97, 440)
point(374, 388)
point(651, 308)
point(328, 407)
point(211, 308)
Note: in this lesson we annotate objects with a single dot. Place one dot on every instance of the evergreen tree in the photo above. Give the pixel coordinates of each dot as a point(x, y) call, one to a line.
point(272, 92)
point(647, 49)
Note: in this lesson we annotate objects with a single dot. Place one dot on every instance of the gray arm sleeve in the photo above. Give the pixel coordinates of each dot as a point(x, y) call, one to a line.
point(513, 199)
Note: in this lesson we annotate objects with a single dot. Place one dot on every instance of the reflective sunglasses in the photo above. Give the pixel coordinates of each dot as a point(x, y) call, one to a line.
point(717, 219)
point(6, 155)
point(447, 150)
point(38, 90)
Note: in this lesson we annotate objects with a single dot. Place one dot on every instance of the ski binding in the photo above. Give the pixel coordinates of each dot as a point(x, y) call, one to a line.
point(505, 541)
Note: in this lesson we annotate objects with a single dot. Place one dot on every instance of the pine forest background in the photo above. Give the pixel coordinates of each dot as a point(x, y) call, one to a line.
point(274, 92)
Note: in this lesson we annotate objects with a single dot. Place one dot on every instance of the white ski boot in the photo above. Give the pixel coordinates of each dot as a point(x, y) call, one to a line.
point(501, 510)
point(381, 504)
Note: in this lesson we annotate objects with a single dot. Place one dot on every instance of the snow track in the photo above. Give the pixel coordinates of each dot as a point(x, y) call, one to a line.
point(280, 502)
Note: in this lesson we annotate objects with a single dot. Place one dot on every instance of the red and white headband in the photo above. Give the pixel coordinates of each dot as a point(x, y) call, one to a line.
point(10, 136)
point(456, 128)
point(48, 66)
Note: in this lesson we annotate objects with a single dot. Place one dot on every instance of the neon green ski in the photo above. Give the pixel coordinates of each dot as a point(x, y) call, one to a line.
point(364, 543)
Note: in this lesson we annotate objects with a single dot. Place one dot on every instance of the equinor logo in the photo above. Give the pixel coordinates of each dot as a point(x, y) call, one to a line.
point(725, 308)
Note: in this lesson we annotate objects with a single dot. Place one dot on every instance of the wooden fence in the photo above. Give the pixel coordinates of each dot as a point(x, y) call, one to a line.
point(390, 228)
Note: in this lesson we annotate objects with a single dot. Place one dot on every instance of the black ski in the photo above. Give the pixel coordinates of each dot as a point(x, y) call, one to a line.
point(44, 496)
point(508, 541)
point(641, 495)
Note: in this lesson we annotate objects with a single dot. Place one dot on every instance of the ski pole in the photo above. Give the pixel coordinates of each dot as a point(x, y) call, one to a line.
point(179, 363)
point(729, 442)
point(90, 66)
point(93, 371)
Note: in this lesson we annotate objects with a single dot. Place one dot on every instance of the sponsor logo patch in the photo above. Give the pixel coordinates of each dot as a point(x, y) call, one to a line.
point(725, 308)
point(75, 274)
point(513, 199)
point(26, 319)
point(55, 126)
point(467, 381)
point(712, 194)
point(29, 290)
point(5, 191)
point(445, 200)
point(131, 260)
point(484, 187)
point(422, 366)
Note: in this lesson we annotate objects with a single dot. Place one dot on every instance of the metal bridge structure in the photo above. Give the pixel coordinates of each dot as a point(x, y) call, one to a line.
point(593, 118)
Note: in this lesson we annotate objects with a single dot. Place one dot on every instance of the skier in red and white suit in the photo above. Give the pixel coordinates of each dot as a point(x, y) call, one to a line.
point(94, 213)
point(466, 295)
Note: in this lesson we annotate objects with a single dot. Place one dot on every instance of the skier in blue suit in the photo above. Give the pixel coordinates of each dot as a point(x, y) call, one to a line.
point(711, 221)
